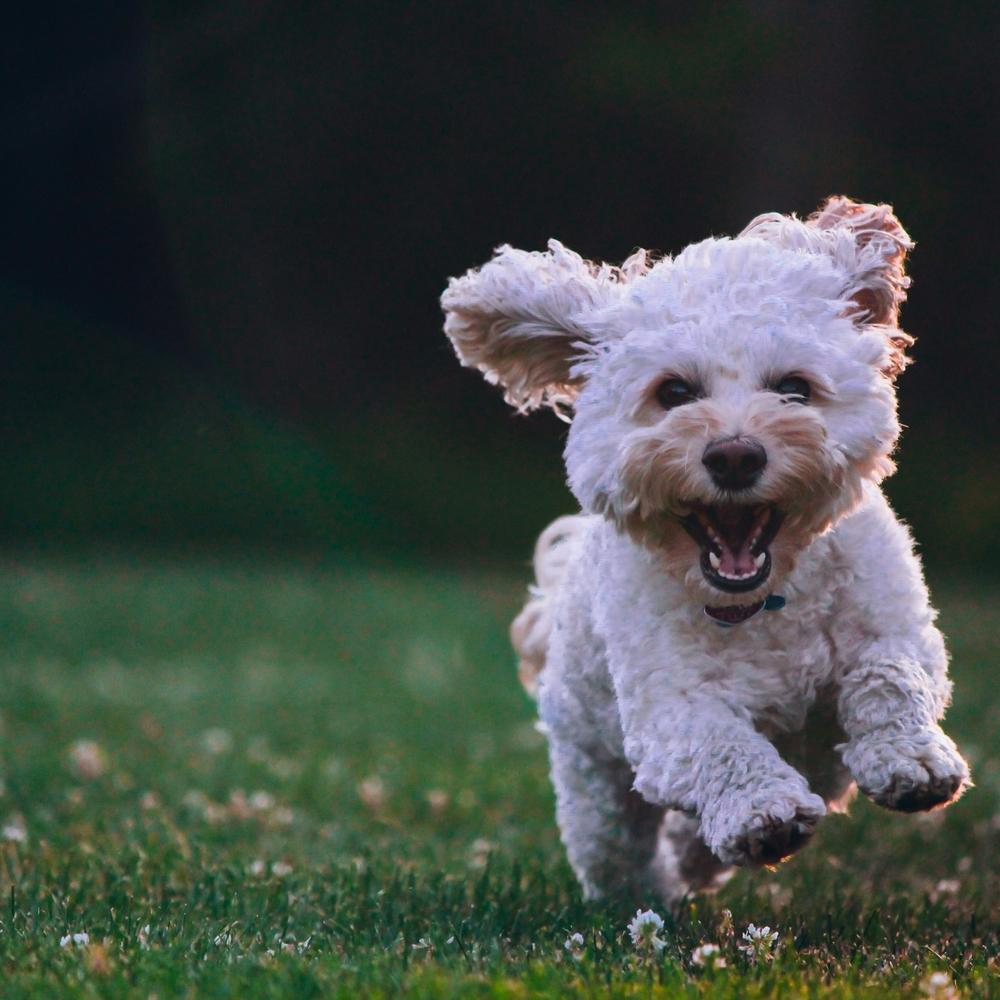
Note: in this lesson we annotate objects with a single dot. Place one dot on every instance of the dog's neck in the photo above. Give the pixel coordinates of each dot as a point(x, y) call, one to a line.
point(737, 614)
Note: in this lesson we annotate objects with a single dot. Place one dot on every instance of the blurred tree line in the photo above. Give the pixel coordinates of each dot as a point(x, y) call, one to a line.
point(228, 224)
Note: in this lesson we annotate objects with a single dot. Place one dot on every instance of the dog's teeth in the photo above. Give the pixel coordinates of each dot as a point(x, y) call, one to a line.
point(713, 560)
point(759, 561)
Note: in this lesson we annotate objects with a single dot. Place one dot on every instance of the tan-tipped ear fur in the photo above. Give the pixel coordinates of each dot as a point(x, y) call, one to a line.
point(519, 319)
point(872, 226)
point(868, 243)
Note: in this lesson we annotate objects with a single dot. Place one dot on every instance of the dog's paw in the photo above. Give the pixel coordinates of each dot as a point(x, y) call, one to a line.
point(909, 772)
point(772, 833)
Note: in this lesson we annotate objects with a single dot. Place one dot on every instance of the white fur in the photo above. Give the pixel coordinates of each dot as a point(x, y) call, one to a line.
point(678, 747)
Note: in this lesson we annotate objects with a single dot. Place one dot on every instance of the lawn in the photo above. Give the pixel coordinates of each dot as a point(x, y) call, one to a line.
point(269, 778)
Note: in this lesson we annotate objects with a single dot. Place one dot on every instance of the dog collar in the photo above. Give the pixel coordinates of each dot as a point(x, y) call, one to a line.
point(737, 614)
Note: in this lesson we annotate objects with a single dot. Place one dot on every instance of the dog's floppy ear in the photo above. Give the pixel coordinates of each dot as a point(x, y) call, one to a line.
point(869, 245)
point(520, 319)
point(879, 281)
point(881, 244)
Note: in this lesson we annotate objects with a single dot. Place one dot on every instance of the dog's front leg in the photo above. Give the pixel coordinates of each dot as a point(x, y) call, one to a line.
point(699, 755)
point(899, 755)
point(893, 673)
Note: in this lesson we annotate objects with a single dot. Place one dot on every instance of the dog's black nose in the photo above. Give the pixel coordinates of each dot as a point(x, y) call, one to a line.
point(736, 463)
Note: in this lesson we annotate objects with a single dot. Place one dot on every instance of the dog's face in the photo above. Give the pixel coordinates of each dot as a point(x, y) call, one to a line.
point(727, 435)
point(730, 403)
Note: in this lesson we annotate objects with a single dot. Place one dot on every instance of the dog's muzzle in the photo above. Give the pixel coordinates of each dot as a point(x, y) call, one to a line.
point(734, 540)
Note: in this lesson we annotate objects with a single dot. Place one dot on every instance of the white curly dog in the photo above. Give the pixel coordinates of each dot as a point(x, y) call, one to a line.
point(735, 630)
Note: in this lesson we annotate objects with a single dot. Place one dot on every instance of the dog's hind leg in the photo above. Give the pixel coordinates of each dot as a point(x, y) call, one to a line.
point(611, 833)
point(618, 843)
point(683, 862)
point(530, 630)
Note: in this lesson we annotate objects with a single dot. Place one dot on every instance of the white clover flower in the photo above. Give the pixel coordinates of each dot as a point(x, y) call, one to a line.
point(479, 852)
point(283, 816)
point(284, 767)
point(261, 801)
point(195, 799)
point(708, 956)
point(281, 869)
point(643, 928)
point(217, 741)
point(292, 947)
point(372, 793)
point(759, 943)
point(437, 799)
point(15, 830)
point(87, 759)
point(938, 986)
point(81, 939)
point(574, 945)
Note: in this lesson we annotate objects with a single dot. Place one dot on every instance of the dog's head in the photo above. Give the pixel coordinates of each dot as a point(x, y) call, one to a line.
point(729, 403)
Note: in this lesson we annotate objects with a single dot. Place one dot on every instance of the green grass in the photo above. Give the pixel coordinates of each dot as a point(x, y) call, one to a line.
point(325, 781)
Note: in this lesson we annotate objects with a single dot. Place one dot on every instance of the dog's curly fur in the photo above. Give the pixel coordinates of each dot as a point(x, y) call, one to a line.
point(678, 747)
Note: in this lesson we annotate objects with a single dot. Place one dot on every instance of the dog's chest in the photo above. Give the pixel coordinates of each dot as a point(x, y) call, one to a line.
point(771, 666)
point(774, 668)
point(662, 645)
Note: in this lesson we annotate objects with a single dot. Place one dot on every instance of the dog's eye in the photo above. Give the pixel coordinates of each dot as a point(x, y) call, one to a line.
point(794, 386)
point(673, 392)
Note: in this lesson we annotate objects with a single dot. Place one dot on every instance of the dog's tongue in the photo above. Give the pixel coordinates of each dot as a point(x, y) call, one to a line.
point(735, 528)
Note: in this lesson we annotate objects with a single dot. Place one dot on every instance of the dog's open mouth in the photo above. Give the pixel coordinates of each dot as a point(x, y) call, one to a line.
point(734, 540)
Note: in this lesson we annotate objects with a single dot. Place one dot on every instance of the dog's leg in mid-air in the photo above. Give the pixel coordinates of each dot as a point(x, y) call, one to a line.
point(897, 752)
point(893, 683)
point(699, 756)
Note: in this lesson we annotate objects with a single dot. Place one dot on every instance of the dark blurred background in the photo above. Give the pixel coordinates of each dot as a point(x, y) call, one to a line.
point(227, 225)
